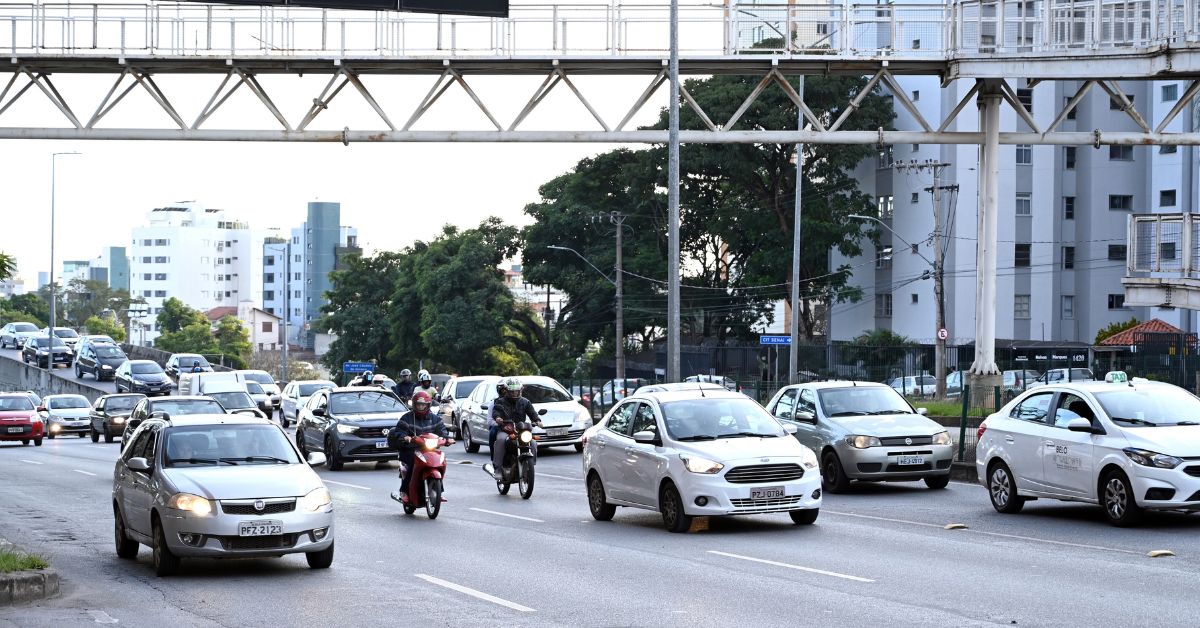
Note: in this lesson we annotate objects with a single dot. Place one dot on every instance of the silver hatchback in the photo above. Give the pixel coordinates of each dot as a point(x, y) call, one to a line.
point(218, 486)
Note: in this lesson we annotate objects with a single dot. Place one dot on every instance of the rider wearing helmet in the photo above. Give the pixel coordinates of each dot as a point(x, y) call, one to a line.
point(509, 407)
point(411, 425)
point(364, 379)
point(405, 387)
point(425, 383)
point(196, 368)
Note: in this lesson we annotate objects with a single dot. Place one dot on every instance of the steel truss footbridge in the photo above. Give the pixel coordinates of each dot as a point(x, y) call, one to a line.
point(986, 43)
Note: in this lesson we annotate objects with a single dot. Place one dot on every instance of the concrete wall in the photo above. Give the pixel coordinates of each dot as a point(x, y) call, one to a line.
point(15, 375)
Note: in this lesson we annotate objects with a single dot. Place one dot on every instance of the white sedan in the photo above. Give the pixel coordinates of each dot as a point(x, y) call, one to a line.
point(295, 395)
point(1129, 447)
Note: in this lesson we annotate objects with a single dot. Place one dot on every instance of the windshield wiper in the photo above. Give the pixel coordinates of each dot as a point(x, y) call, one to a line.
point(201, 460)
point(264, 459)
point(878, 412)
point(1135, 421)
point(849, 413)
point(697, 437)
point(1187, 423)
point(752, 434)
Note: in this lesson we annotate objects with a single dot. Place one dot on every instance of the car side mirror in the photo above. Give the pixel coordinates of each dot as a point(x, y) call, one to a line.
point(41, 408)
point(806, 416)
point(790, 429)
point(483, 406)
point(316, 459)
point(542, 412)
point(923, 411)
point(318, 412)
point(1082, 425)
point(249, 412)
point(138, 464)
point(646, 437)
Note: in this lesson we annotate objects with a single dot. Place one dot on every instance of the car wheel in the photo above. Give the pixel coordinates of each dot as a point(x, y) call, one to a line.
point(95, 435)
point(108, 437)
point(50, 435)
point(126, 547)
point(597, 502)
point(670, 504)
point(1119, 504)
point(833, 478)
point(82, 435)
point(78, 372)
point(165, 563)
point(37, 442)
point(320, 560)
point(804, 517)
point(469, 444)
point(579, 447)
point(331, 453)
point(937, 481)
point(25, 442)
point(300, 444)
point(1003, 490)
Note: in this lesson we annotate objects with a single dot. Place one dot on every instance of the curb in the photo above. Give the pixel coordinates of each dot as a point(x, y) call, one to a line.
point(964, 472)
point(20, 587)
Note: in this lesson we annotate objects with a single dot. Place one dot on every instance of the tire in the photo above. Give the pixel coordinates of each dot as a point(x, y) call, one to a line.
point(283, 422)
point(433, 497)
point(1002, 489)
point(300, 445)
point(670, 504)
point(335, 459)
point(165, 563)
point(1117, 498)
point(37, 442)
point(579, 447)
point(409, 509)
point(108, 438)
point(502, 487)
point(95, 435)
point(804, 517)
point(937, 482)
point(82, 435)
point(468, 441)
point(597, 503)
point(525, 483)
point(78, 372)
point(127, 548)
point(833, 478)
point(320, 560)
point(24, 442)
point(50, 435)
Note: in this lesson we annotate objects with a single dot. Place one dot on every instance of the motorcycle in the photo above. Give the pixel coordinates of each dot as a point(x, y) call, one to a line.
point(519, 460)
point(425, 484)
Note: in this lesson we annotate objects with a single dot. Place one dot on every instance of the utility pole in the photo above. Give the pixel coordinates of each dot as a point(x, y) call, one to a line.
point(794, 325)
point(673, 373)
point(617, 219)
point(939, 289)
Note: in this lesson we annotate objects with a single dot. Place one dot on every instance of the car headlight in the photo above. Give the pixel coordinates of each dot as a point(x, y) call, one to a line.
point(584, 418)
point(106, 367)
point(1152, 459)
point(862, 442)
point(35, 419)
point(191, 503)
point(808, 458)
point(701, 465)
point(942, 438)
point(117, 420)
point(347, 429)
point(316, 499)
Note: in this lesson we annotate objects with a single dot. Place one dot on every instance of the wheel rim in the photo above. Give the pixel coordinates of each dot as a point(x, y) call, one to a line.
point(670, 507)
point(467, 442)
point(595, 495)
point(158, 542)
point(831, 469)
point(118, 530)
point(1001, 488)
point(1115, 498)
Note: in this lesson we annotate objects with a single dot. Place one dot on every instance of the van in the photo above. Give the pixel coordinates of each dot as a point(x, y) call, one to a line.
point(195, 384)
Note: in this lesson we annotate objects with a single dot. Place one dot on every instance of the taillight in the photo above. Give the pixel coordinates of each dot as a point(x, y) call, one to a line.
point(982, 429)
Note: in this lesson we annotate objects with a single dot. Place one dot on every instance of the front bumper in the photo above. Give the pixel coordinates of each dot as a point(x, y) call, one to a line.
point(725, 498)
point(216, 536)
point(112, 428)
point(570, 437)
point(28, 431)
point(150, 389)
point(68, 426)
point(355, 447)
point(881, 463)
point(1180, 489)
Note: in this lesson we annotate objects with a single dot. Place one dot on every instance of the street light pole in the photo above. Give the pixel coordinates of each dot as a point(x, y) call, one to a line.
point(673, 317)
point(287, 293)
point(53, 189)
point(619, 350)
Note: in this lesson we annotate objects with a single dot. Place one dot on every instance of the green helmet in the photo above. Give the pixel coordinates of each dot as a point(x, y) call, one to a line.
point(512, 387)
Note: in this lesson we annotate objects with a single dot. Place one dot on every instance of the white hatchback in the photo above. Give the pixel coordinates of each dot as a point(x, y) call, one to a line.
point(1128, 447)
point(698, 453)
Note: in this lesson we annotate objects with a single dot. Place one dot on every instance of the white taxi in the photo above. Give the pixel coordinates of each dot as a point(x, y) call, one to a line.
point(1127, 446)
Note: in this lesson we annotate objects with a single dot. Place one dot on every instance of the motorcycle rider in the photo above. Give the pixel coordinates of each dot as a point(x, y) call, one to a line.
point(364, 379)
point(412, 424)
point(425, 384)
point(405, 387)
point(196, 368)
point(509, 407)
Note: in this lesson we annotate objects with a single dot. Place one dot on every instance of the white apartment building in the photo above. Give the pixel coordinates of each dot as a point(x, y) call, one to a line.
point(204, 257)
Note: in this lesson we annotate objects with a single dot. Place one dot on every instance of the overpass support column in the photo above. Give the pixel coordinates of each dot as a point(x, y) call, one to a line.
point(984, 373)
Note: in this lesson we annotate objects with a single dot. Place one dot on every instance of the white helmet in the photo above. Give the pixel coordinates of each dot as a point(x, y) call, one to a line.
point(424, 376)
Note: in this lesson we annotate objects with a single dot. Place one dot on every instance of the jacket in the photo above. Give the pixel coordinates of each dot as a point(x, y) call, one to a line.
point(404, 390)
point(509, 410)
point(412, 425)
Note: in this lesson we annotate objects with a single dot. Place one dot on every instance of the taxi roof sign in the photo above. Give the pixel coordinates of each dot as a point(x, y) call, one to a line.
point(1116, 377)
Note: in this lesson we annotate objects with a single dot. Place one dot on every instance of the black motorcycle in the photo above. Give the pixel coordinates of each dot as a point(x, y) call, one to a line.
point(519, 459)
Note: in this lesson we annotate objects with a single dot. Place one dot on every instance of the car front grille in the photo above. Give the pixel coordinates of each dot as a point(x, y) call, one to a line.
point(270, 507)
point(244, 543)
point(371, 432)
point(755, 474)
point(905, 441)
point(766, 505)
point(1193, 471)
point(896, 468)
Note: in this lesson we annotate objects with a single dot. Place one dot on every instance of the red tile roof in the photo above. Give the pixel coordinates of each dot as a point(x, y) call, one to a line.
point(1130, 336)
point(217, 313)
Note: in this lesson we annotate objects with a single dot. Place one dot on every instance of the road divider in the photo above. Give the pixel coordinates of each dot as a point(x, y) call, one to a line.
point(479, 595)
point(773, 563)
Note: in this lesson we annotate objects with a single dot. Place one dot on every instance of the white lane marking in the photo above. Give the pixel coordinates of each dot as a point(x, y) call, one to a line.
point(984, 532)
point(475, 594)
point(364, 488)
point(558, 477)
point(29, 461)
point(102, 617)
point(84, 472)
point(773, 563)
point(504, 514)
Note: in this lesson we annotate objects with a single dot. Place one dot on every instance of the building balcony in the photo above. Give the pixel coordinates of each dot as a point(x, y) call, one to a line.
point(1163, 261)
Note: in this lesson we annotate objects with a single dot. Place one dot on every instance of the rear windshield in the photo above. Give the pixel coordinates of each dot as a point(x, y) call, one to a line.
point(261, 378)
point(233, 400)
point(544, 392)
point(254, 388)
point(306, 390)
point(108, 351)
point(465, 387)
point(122, 403)
point(24, 327)
point(146, 368)
point(187, 406)
point(66, 333)
point(15, 404)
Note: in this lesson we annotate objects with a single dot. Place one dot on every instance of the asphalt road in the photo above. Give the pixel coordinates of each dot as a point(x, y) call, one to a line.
point(877, 556)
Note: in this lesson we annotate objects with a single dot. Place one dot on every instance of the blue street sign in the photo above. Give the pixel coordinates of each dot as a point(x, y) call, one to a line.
point(774, 340)
point(357, 367)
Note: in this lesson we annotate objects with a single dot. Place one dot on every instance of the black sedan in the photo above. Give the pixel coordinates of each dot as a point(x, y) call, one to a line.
point(142, 376)
point(46, 352)
point(109, 415)
point(349, 424)
point(101, 361)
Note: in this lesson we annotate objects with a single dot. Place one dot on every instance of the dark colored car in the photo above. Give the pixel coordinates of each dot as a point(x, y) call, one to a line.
point(349, 424)
point(99, 360)
point(38, 350)
point(186, 363)
point(171, 406)
point(142, 376)
point(19, 419)
point(109, 414)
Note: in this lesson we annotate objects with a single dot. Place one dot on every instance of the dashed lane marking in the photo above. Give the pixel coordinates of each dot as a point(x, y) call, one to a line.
point(479, 595)
point(357, 486)
point(504, 514)
point(822, 572)
point(84, 472)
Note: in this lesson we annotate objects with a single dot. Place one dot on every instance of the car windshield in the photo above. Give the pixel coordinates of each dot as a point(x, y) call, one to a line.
point(145, 368)
point(15, 404)
point(544, 392)
point(365, 402)
point(1151, 406)
point(66, 333)
point(234, 400)
point(306, 390)
point(189, 360)
point(261, 378)
point(187, 406)
point(19, 327)
point(116, 404)
point(43, 341)
point(66, 403)
point(108, 351)
point(212, 445)
point(254, 388)
point(862, 401)
point(465, 387)
point(710, 419)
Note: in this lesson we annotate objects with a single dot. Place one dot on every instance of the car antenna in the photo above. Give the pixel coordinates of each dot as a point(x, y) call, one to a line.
point(701, 389)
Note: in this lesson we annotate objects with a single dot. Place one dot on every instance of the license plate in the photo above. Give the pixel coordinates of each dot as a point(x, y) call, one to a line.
point(15, 430)
point(260, 528)
point(910, 460)
point(769, 492)
point(556, 431)
point(381, 444)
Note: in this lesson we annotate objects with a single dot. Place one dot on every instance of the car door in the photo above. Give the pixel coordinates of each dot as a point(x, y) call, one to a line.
point(487, 398)
point(96, 416)
point(132, 483)
point(645, 463)
point(124, 482)
point(143, 483)
point(314, 428)
point(815, 432)
point(1068, 461)
point(609, 450)
point(784, 407)
point(1025, 439)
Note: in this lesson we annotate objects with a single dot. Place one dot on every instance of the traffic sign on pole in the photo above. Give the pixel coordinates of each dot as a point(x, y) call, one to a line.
point(357, 367)
point(943, 334)
point(774, 340)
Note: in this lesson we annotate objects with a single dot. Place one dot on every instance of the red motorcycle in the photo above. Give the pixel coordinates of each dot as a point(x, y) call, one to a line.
point(425, 484)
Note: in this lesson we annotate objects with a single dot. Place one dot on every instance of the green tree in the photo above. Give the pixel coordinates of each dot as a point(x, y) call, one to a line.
point(358, 309)
point(176, 315)
point(8, 266)
point(105, 326)
point(31, 304)
point(1115, 328)
point(233, 340)
point(84, 299)
point(196, 337)
point(17, 316)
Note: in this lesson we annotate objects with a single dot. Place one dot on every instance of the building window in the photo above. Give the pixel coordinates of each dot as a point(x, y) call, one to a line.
point(916, 197)
point(228, 293)
point(1068, 306)
point(915, 297)
point(1166, 198)
point(147, 276)
point(1025, 97)
point(220, 277)
point(1167, 149)
point(147, 293)
point(268, 277)
point(916, 44)
point(1068, 208)
point(267, 327)
point(1116, 301)
point(269, 260)
point(229, 260)
point(296, 258)
point(296, 311)
point(160, 276)
point(160, 293)
point(161, 260)
point(161, 242)
point(296, 276)
point(269, 295)
point(1021, 306)
point(1072, 112)
point(147, 260)
point(1068, 257)
point(1116, 252)
point(295, 239)
point(147, 242)
point(1170, 92)
point(883, 206)
point(916, 148)
point(296, 294)
point(1024, 154)
point(1120, 202)
point(1166, 250)
point(1115, 104)
point(884, 259)
point(220, 261)
point(1024, 204)
point(1021, 253)
point(1120, 153)
point(916, 95)
point(885, 158)
point(1069, 157)
point(883, 305)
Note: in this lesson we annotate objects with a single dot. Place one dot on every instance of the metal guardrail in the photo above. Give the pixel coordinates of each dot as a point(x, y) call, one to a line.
point(908, 31)
point(1164, 243)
